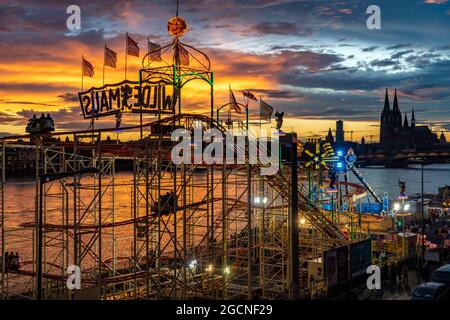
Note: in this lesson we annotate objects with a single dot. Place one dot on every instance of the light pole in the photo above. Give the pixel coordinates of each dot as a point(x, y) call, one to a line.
point(422, 217)
point(402, 209)
point(43, 179)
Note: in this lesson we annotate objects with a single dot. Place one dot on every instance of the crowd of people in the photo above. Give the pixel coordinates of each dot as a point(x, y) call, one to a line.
point(43, 124)
point(12, 262)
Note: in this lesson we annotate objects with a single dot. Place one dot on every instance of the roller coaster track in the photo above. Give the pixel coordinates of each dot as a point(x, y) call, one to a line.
point(48, 227)
point(307, 208)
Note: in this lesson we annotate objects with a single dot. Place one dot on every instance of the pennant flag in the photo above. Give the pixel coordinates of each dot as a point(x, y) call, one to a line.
point(154, 51)
point(265, 110)
point(249, 95)
point(184, 56)
point(110, 58)
point(233, 101)
point(132, 47)
point(88, 69)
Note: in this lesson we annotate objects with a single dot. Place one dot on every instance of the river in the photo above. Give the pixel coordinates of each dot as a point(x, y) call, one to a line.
point(386, 179)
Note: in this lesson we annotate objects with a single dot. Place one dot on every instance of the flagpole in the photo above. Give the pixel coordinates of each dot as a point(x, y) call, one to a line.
point(260, 101)
point(82, 71)
point(148, 51)
point(246, 101)
point(126, 54)
point(246, 114)
point(104, 57)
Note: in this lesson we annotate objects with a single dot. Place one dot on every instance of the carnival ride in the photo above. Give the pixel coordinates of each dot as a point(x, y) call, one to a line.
point(183, 231)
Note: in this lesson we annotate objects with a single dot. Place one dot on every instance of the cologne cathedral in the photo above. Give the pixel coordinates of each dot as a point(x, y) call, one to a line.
point(397, 133)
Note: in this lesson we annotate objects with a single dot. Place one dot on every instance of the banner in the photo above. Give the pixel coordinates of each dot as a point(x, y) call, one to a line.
point(128, 96)
point(360, 257)
point(336, 265)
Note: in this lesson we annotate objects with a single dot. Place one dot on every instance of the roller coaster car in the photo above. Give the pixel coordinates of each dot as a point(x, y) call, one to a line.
point(40, 126)
point(165, 205)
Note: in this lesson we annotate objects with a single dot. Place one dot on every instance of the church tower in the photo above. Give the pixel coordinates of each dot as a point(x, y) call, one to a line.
point(405, 123)
point(396, 116)
point(329, 138)
point(413, 120)
point(385, 119)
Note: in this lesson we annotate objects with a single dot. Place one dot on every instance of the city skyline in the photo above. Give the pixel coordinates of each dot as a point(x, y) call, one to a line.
point(317, 65)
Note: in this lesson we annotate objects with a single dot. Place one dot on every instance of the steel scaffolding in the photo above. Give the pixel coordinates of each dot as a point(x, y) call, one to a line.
point(162, 230)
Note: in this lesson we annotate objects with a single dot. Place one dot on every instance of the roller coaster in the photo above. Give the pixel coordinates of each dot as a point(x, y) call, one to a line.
point(208, 223)
point(168, 231)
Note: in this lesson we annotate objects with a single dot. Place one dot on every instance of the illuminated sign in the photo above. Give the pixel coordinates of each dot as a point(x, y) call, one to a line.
point(128, 96)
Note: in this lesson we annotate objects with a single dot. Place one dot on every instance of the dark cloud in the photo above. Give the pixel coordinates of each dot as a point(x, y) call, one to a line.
point(29, 103)
point(69, 97)
point(351, 79)
point(280, 28)
point(383, 63)
point(399, 46)
point(293, 47)
point(370, 49)
point(400, 54)
point(276, 94)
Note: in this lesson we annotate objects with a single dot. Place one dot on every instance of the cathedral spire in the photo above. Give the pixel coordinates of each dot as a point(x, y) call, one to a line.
point(413, 119)
point(405, 123)
point(387, 107)
point(395, 106)
point(329, 138)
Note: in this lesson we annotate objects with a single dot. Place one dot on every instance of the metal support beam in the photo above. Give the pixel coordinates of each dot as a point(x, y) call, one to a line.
point(293, 227)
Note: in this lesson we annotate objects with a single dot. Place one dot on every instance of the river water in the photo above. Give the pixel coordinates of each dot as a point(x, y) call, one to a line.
point(386, 179)
point(20, 192)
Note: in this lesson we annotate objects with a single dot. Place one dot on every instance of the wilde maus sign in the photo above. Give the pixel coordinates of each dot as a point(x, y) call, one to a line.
point(128, 96)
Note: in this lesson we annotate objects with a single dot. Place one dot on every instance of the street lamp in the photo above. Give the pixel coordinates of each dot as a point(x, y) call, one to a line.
point(402, 208)
point(422, 216)
point(45, 178)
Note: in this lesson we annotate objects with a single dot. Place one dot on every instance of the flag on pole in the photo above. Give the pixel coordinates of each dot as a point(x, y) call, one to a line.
point(132, 47)
point(265, 110)
point(154, 51)
point(233, 101)
point(88, 69)
point(184, 56)
point(110, 57)
point(249, 95)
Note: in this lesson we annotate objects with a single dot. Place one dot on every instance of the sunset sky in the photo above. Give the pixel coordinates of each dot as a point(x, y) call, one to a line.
point(315, 60)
